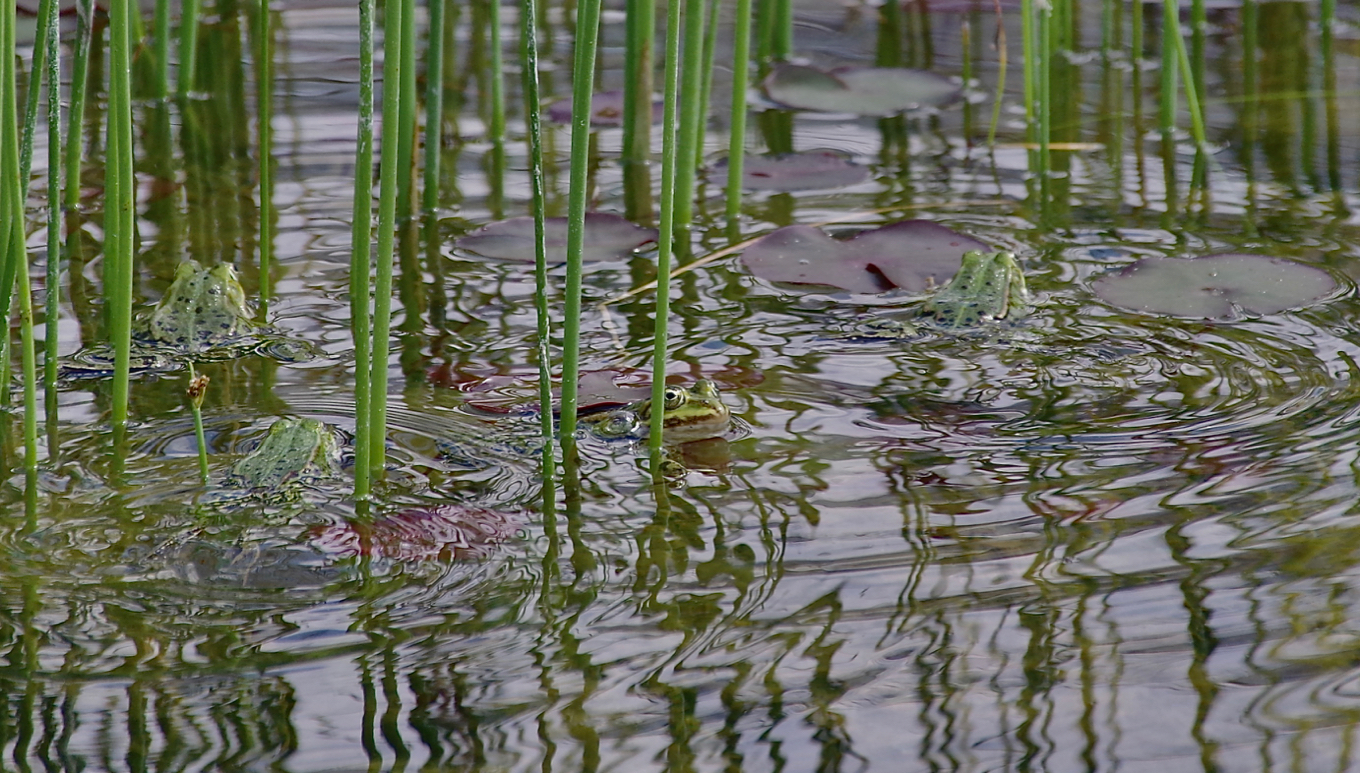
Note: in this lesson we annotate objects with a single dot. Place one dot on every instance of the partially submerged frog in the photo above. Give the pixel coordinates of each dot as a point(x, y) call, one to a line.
point(294, 451)
point(689, 414)
point(202, 316)
point(988, 286)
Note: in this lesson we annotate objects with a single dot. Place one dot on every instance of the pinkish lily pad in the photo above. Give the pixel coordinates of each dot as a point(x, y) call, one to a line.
point(445, 533)
point(914, 255)
point(809, 170)
point(607, 237)
point(1215, 286)
point(606, 109)
point(858, 90)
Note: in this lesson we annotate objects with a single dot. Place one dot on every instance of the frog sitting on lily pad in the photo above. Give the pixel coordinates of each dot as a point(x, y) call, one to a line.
point(203, 316)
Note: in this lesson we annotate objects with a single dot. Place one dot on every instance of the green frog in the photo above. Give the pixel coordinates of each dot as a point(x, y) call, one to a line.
point(690, 414)
point(202, 316)
point(988, 286)
point(295, 450)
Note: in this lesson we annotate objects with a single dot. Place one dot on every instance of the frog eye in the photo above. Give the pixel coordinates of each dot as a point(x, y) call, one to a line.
point(675, 397)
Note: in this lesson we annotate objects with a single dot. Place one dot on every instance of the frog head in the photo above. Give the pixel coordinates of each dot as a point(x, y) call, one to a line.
point(295, 449)
point(688, 414)
point(202, 308)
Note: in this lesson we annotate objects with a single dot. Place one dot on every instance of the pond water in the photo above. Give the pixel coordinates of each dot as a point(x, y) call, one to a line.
point(1086, 540)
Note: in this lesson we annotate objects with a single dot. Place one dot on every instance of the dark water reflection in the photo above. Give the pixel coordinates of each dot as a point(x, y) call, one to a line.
point(1094, 540)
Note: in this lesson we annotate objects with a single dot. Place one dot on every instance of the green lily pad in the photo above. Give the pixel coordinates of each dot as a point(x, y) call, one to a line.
point(1223, 286)
point(806, 171)
point(858, 90)
point(914, 255)
point(607, 237)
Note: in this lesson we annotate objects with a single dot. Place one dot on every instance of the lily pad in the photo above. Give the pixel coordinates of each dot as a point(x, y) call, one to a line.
point(606, 109)
point(914, 255)
point(809, 170)
point(1215, 286)
point(607, 237)
point(858, 90)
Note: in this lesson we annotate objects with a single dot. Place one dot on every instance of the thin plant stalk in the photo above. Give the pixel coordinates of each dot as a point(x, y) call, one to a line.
point(79, 75)
point(690, 138)
point(1001, 67)
point(188, 48)
point(11, 190)
point(538, 205)
point(1327, 21)
point(736, 145)
point(264, 111)
point(198, 387)
point(29, 363)
point(434, 106)
point(360, 253)
point(666, 233)
point(1171, 32)
point(161, 82)
point(119, 204)
point(710, 50)
point(496, 126)
point(583, 78)
point(396, 102)
point(52, 309)
point(405, 125)
point(638, 66)
point(47, 10)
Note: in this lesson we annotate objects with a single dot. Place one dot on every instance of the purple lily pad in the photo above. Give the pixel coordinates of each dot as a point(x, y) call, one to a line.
point(607, 237)
point(1215, 286)
point(606, 109)
point(858, 90)
point(809, 170)
point(914, 255)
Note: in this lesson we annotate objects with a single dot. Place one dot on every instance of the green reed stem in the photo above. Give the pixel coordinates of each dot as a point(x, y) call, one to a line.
point(406, 113)
point(1030, 66)
point(1327, 21)
point(496, 124)
point(188, 49)
point(1003, 63)
point(397, 100)
point(119, 203)
point(434, 105)
point(161, 83)
point(1171, 32)
point(637, 91)
point(11, 190)
point(264, 111)
point(690, 139)
point(582, 81)
point(52, 281)
point(79, 75)
point(47, 10)
point(670, 154)
point(538, 204)
point(782, 35)
point(1197, 129)
point(710, 50)
point(361, 255)
point(736, 139)
point(198, 387)
point(29, 364)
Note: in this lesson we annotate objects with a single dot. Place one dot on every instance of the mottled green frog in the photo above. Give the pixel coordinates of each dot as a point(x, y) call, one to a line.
point(988, 286)
point(690, 414)
point(295, 450)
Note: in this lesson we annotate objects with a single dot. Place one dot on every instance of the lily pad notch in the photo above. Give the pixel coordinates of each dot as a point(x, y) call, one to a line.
point(1220, 286)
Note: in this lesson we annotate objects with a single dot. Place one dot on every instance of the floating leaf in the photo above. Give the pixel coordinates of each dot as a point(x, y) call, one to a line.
point(1214, 286)
point(446, 532)
point(858, 90)
point(809, 170)
point(607, 237)
point(606, 109)
point(914, 255)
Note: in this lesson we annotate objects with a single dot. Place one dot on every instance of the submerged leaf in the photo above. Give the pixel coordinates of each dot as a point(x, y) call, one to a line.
point(809, 170)
point(1214, 286)
point(914, 255)
point(858, 90)
point(606, 109)
point(607, 237)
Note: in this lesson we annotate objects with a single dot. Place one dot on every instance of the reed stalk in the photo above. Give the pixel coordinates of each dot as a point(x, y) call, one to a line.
point(188, 49)
point(198, 387)
point(119, 204)
point(434, 106)
point(736, 139)
point(710, 50)
point(496, 126)
point(52, 309)
point(405, 125)
point(1171, 32)
point(538, 204)
point(11, 195)
point(361, 255)
point(264, 112)
point(398, 103)
point(1327, 22)
point(161, 81)
point(666, 236)
point(690, 139)
point(47, 11)
point(79, 75)
point(638, 66)
point(582, 81)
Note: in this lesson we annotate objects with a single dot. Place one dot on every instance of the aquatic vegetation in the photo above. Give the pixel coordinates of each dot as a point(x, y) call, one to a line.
point(1223, 286)
point(606, 237)
point(805, 171)
point(858, 90)
point(453, 532)
point(914, 255)
point(606, 109)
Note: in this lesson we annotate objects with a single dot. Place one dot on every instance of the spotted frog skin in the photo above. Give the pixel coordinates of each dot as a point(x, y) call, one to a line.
point(690, 414)
point(294, 450)
point(204, 307)
point(988, 286)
